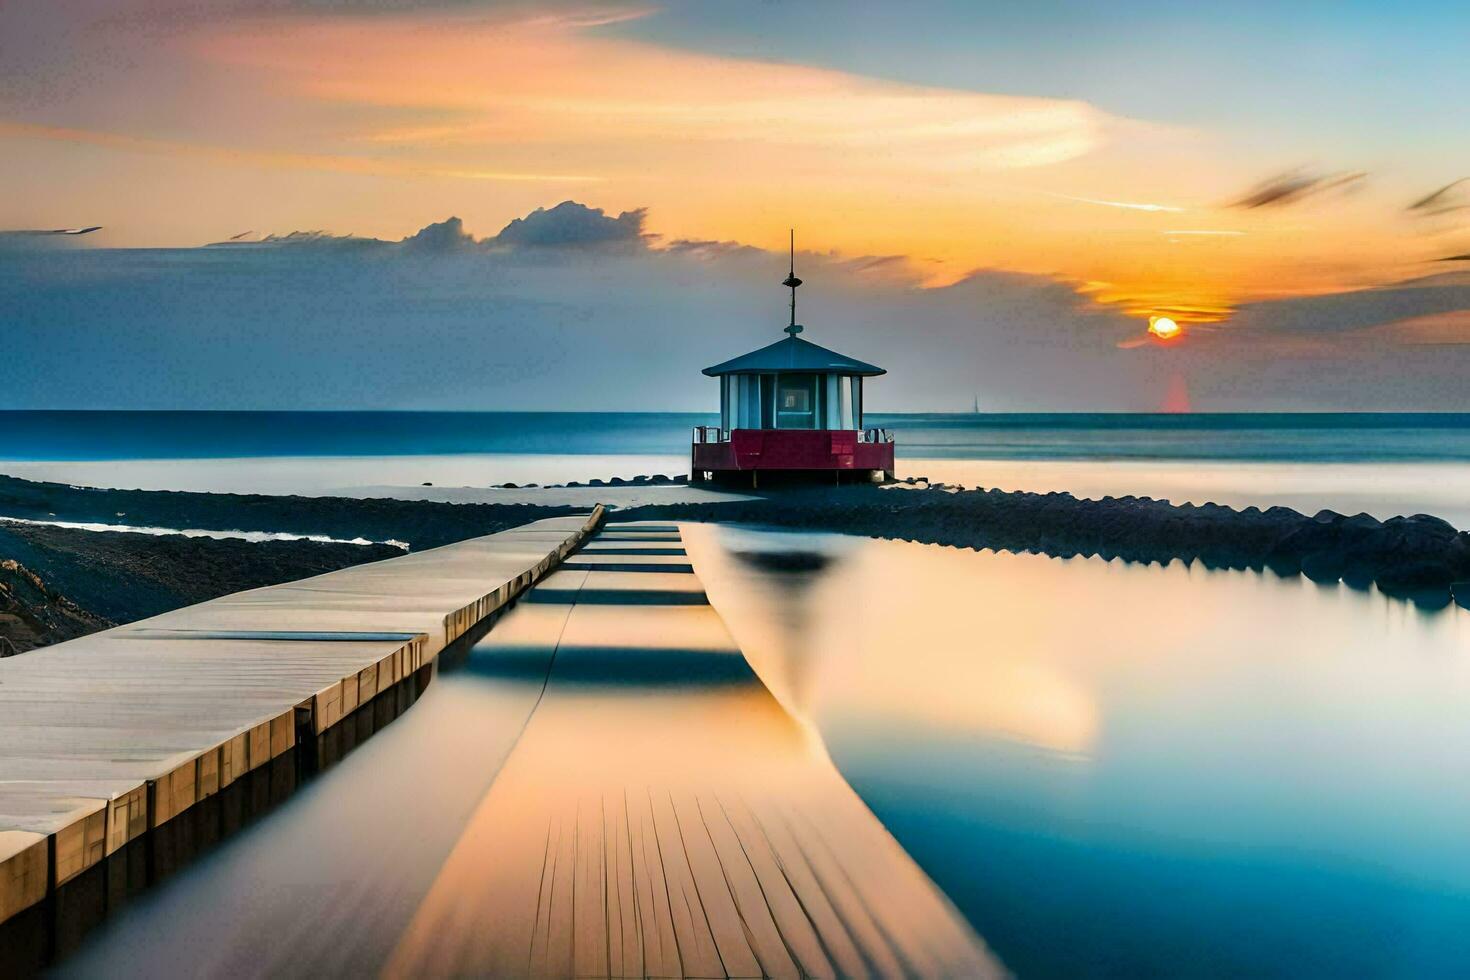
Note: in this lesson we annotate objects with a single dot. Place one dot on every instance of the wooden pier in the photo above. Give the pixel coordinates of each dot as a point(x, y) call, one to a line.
point(661, 814)
point(107, 737)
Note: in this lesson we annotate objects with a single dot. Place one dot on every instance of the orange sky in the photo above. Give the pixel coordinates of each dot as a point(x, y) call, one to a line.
point(378, 125)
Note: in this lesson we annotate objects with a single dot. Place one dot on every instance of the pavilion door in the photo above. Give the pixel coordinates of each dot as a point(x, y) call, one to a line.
point(796, 401)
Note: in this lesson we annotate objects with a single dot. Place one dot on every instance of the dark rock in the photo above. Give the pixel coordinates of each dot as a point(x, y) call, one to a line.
point(1437, 524)
point(33, 614)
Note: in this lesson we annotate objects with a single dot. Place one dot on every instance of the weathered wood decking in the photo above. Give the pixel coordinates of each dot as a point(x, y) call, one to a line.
point(661, 814)
point(106, 737)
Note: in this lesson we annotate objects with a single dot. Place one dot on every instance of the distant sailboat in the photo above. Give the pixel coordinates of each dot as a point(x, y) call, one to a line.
point(976, 409)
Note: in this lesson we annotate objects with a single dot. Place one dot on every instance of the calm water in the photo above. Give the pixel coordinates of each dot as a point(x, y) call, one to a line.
point(1127, 771)
point(1111, 770)
point(1384, 464)
point(89, 435)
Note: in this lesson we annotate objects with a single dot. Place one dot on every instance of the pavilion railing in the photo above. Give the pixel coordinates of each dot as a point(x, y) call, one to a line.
point(709, 433)
point(703, 434)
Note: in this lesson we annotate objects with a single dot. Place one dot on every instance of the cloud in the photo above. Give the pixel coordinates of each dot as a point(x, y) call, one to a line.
point(710, 248)
point(1432, 330)
point(1124, 205)
point(1345, 312)
point(573, 225)
point(45, 238)
point(297, 240)
point(577, 13)
point(48, 232)
point(313, 320)
point(568, 225)
point(1295, 186)
point(340, 163)
point(1450, 197)
point(444, 236)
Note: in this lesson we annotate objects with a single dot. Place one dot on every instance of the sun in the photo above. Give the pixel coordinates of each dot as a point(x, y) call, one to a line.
point(1164, 328)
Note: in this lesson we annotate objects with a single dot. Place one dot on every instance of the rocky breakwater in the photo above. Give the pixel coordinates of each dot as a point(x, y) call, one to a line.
point(1419, 557)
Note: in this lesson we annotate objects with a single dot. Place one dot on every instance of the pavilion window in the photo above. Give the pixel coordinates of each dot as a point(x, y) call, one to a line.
point(796, 401)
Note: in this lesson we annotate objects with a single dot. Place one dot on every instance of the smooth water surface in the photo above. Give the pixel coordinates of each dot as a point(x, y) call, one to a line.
point(1384, 464)
point(1118, 770)
point(1298, 437)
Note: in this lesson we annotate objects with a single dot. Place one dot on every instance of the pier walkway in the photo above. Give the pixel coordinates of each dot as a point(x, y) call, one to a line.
point(107, 737)
point(661, 814)
point(601, 785)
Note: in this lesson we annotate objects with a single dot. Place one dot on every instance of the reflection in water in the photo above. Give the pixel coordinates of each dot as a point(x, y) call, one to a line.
point(1124, 770)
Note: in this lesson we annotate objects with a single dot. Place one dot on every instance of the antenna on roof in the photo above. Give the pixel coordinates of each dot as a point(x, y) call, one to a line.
point(793, 282)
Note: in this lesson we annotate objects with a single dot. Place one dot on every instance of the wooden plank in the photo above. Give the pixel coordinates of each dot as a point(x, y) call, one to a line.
point(660, 945)
point(814, 902)
point(590, 922)
point(283, 733)
point(173, 793)
point(783, 935)
point(326, 709)
point(348, 699)
point(22, 871)
point(234, 759)
point(127, 818)
point(259, 745)
point(367, 683)
point(81, 845)
point(209, 767)
point(625, 935)
point(738, 938)
point(551, 949)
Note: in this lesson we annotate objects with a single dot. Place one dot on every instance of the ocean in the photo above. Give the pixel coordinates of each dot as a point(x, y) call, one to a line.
point(1384, 464)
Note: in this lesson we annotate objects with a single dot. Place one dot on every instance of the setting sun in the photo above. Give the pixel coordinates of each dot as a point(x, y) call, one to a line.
point(1164, 328)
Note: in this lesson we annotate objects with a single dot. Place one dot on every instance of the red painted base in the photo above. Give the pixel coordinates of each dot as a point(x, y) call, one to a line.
point(791, 449)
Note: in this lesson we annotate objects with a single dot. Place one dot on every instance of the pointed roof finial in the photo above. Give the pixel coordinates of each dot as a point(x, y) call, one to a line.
point(793, 282)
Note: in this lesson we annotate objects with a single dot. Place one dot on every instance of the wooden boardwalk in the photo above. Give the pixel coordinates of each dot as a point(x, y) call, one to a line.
point(661, 814)
point(106, 737)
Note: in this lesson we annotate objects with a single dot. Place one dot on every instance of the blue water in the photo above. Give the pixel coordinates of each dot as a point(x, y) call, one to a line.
point(1119, 770)
point(48, 435)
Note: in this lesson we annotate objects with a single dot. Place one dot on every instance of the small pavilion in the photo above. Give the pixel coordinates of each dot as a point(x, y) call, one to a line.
point(791, 406)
